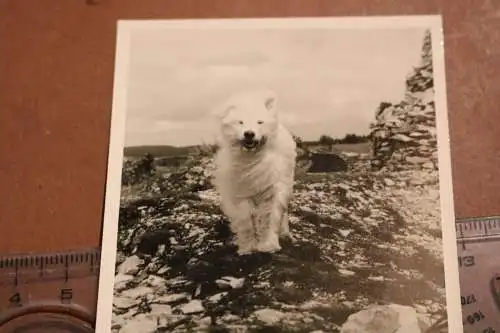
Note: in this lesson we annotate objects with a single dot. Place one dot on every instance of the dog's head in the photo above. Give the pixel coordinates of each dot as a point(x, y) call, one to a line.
point(249, 120)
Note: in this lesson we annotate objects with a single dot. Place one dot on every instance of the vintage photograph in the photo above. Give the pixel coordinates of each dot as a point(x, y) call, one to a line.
point(279, 175)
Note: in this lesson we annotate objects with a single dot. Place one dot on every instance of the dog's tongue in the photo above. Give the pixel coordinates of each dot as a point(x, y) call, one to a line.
point(249, 145)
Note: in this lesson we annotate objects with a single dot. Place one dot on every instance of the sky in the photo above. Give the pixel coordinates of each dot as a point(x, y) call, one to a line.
point(327, 81)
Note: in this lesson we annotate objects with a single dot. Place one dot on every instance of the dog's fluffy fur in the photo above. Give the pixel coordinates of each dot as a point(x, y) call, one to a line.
point(254, 174)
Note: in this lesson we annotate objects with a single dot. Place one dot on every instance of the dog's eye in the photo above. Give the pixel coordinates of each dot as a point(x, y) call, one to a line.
point(241, 122)
point(260, 122)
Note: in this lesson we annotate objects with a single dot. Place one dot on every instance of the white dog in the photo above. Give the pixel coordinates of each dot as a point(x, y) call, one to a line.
point(255, 167)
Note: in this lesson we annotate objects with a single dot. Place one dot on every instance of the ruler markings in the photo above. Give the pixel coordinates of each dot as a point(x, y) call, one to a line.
point(474, 228)
point(27, 260)
point(25, 268)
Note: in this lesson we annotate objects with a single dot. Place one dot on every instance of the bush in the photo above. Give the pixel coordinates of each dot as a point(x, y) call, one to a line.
point(136, 171)
point(326, 140)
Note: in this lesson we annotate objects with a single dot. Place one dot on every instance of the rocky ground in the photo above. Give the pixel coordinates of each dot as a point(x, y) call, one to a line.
point(361, 239)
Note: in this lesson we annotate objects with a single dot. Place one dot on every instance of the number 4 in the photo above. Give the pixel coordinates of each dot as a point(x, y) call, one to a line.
point(66, 295)
point(15, 299)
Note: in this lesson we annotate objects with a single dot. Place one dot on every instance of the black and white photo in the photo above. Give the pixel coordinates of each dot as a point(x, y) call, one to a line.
point(279, 175)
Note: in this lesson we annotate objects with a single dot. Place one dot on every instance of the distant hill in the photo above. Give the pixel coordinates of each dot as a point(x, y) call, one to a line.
point(168, 151)
point(157, 151)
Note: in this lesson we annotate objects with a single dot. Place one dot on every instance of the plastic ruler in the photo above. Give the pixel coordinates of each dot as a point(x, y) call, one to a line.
point(478, 241)
point(49, 292)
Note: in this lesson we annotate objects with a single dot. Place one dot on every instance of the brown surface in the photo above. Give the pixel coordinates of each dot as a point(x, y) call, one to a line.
point(56, 83)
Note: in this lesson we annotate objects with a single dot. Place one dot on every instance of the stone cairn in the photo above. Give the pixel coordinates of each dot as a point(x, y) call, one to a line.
point(404, 134)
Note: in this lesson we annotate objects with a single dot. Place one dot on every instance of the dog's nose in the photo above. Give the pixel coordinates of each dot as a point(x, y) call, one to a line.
point(249, 135)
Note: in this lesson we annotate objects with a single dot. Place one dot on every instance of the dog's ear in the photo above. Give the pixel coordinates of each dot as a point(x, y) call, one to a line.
point(270, 101)
point(221, 111)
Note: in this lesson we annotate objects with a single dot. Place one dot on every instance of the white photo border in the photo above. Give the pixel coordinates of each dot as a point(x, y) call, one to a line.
point(118, 120)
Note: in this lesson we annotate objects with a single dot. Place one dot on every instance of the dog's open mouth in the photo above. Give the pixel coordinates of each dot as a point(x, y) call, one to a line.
point(250, 144)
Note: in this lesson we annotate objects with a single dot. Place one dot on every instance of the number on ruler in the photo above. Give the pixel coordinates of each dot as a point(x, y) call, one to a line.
point(66, 295)
point(469, 299)
point(15, 300)
point(466, 261)
point(475, 317)
point(488, 330)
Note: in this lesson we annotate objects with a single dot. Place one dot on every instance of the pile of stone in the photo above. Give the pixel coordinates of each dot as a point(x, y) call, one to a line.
point(404, 134)
point(194, 175)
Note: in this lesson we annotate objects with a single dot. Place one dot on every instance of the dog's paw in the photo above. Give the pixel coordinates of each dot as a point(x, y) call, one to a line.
point(244, 251)
point(269, 245)
point(285, 234)
point(288, 240)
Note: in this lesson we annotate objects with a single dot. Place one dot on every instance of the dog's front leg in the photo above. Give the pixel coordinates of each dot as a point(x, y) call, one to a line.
point(243, 227)
point(268, 225)
point(284, 200)
point(274, 221)
point(284, 231)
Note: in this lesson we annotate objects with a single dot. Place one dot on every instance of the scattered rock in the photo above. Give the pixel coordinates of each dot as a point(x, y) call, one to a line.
point(138, 292)
point(344, 233)
point(389, 182)
point(269, 316)
point(416, 160)
point(428, 165)
point(155, 282)
point(130, 266)
point(192, 307)
point(205, 321)
point(401, 137)
point(160, 309)
point(124, 302)
point(121, 281)
point(346, 272)
point(231, 282)
point(383, 319)
point(140, 324)
point(172, 298)
point(217, 297)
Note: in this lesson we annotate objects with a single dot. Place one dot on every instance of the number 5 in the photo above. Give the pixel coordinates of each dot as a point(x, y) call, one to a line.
point(66, 295)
